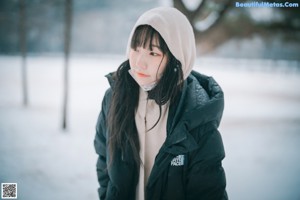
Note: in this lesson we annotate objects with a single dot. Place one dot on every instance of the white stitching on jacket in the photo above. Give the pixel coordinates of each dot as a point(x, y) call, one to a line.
point(178, 161)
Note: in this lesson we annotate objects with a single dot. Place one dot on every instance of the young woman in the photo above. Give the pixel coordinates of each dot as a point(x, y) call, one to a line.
point(156, 134)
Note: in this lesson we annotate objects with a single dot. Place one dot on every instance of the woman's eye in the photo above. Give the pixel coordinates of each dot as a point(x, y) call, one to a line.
point(154, 54)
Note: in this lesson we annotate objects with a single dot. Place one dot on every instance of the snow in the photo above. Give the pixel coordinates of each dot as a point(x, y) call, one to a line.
point(260, 127)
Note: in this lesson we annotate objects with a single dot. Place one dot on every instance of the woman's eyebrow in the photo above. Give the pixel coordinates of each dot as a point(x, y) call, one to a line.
point(154, 45)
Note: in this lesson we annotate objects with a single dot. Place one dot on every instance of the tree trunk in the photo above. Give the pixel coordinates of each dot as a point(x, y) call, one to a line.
point(207, 36)
point(67, 43)
point(190, 14)
point(218, 10)
point(23, 48)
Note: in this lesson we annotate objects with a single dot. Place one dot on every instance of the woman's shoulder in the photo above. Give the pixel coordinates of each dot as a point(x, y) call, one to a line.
point(110, 78)
point(107, 95)
point(108, 91)
point(208, 83)
point(203, 89)
point(201, 101)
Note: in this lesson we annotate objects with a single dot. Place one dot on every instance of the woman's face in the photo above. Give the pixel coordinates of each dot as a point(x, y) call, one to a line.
point(147, 65)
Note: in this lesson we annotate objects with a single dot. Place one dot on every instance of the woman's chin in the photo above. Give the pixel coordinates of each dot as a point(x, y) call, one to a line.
point(144, 82)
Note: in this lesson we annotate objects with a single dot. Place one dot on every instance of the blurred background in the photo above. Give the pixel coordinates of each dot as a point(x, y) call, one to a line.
point(53, 58)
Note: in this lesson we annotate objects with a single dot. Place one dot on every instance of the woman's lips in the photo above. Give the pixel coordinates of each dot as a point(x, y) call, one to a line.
point(142, 75)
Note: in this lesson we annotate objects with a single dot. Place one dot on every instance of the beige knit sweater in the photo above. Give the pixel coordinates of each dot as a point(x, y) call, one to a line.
point(150, 141)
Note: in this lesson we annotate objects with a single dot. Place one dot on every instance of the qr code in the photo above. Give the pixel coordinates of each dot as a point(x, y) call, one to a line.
point(9, 190)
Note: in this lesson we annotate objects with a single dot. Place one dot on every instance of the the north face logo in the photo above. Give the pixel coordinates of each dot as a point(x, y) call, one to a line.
point(178, 161)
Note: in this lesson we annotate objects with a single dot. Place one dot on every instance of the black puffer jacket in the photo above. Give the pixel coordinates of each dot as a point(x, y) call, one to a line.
point(188, 165)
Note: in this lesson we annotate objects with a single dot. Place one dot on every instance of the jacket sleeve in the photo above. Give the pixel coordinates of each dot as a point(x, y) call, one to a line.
point(100, 147)
point(206, 176)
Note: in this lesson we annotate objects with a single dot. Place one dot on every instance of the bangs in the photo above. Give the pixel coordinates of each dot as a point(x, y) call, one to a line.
point(146, 35)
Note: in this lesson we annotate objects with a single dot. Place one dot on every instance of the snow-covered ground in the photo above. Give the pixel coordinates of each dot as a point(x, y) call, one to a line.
point(260, 127)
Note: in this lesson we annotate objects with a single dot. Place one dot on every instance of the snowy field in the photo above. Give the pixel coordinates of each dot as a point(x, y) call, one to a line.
point(260, 127)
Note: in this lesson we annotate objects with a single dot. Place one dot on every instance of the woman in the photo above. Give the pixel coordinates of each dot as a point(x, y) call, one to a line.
point(156, 134)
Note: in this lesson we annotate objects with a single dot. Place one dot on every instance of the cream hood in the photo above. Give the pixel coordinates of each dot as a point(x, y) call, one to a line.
point(177, 32)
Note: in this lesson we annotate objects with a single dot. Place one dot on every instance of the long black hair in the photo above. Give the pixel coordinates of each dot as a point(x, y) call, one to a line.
point(121, 117)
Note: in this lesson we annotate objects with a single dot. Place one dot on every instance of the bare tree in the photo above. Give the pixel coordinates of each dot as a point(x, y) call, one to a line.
point(206, 18)
point(23, 48)
point(213, 26)
point(67, 44)
point(206, 15)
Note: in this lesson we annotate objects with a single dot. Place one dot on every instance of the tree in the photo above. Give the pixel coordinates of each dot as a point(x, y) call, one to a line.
point(23, 48)
point(205, 16)
point(213, 25)
point(205, 19)
point(67, 44)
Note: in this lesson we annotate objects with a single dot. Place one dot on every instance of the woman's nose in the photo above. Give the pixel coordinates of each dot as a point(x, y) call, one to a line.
point(141, 61)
